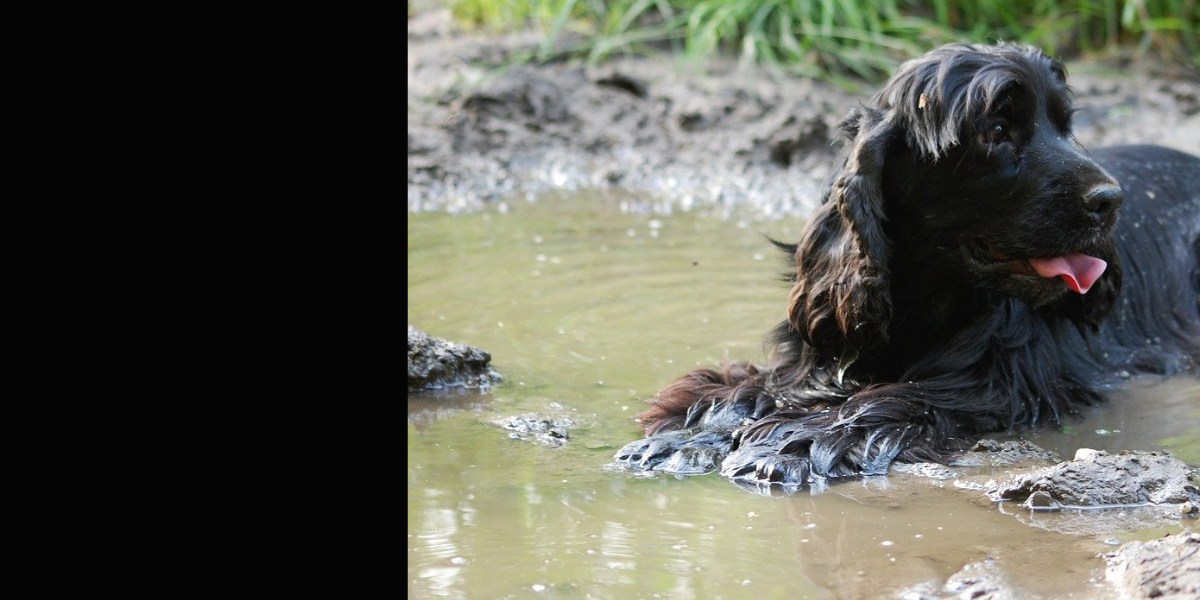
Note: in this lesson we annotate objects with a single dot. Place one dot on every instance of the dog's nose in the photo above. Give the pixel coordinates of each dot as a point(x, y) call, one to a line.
point(1102, 202)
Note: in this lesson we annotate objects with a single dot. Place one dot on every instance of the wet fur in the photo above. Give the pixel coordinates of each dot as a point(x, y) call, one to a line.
point(901, 343)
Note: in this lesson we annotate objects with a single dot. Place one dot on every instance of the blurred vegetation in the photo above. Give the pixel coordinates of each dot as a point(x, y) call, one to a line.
point(842, 39)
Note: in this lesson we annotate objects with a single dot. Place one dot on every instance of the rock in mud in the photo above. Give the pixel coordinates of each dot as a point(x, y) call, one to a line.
point(983, 580)
point(1007, 453)
point(1164, 569)
point(926, 469)
point(545, 430)
point(987, 453)
point(434, 363)
point(1099, 479)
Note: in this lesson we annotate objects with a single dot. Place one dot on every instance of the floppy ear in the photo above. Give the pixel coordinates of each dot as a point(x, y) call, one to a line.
point(841, 300)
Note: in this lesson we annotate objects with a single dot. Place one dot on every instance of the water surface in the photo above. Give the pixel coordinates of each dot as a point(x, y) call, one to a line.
point(590, 304)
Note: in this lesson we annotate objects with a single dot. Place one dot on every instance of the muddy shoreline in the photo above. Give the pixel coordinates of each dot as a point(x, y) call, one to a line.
point(677, 136)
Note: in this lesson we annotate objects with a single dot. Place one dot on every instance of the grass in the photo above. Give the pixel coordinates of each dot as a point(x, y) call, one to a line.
point(842, 39)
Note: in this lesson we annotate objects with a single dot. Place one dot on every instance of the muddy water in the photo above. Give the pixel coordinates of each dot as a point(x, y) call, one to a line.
point(589, 306)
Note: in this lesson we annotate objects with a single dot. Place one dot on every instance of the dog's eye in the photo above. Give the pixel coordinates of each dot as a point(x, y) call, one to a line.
point(994, 134)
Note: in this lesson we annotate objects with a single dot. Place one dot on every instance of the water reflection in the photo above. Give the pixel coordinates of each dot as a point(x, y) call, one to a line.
point(426, 408)
point(1154, 414)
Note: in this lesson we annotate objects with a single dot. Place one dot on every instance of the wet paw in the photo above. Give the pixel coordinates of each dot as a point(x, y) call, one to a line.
point(758, 466)
point(676, 453)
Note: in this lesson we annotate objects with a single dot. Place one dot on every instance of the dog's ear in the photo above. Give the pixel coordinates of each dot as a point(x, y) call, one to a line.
point(841, 300)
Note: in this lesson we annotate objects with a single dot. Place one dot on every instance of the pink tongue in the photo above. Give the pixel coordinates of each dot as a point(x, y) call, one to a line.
point(1080, 271)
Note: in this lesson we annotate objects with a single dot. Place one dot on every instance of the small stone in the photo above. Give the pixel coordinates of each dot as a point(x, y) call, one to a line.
point(1189, 509)
point(1041, 501)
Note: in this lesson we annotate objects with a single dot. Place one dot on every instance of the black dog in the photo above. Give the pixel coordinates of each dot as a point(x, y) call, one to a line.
point(971, 269)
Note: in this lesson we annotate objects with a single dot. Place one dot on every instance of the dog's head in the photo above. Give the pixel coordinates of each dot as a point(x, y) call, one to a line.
point(964, 165)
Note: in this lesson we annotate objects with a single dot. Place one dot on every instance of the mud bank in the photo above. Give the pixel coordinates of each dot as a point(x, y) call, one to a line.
point(436, 364)
point(1095, 496)
point(669, 135)
point(1167, 568)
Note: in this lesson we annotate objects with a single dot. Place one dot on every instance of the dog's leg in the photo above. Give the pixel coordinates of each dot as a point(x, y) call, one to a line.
point(863, 436)
point(691, 424)
point(689, 399)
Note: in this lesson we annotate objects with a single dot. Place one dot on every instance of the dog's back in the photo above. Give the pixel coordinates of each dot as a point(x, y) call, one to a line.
point(1159, 229)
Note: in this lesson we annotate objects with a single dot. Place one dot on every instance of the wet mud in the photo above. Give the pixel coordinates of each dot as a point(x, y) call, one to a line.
point(677, 135)
point(1166, 569)
point(436, 364)
point(1097, 480)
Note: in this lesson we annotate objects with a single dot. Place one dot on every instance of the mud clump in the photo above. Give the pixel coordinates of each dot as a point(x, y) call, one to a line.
point(1164, 569)
point(983, 580)
point(544, 430)
point(435, 364)
point(926, 469)
point(1007, 453)
point(1098, 479)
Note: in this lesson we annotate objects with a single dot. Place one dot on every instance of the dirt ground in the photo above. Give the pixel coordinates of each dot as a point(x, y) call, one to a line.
point(678, 135)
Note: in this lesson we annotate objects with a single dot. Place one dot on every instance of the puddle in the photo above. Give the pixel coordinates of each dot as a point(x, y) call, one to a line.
point(586, 309)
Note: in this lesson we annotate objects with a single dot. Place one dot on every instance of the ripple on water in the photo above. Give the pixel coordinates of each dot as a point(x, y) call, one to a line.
point(490, 517)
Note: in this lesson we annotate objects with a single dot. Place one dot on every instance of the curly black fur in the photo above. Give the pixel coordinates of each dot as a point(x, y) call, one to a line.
point(916, 321)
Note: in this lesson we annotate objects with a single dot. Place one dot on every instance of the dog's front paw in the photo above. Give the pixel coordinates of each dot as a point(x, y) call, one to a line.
point(676, 453)
point(757, 466)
